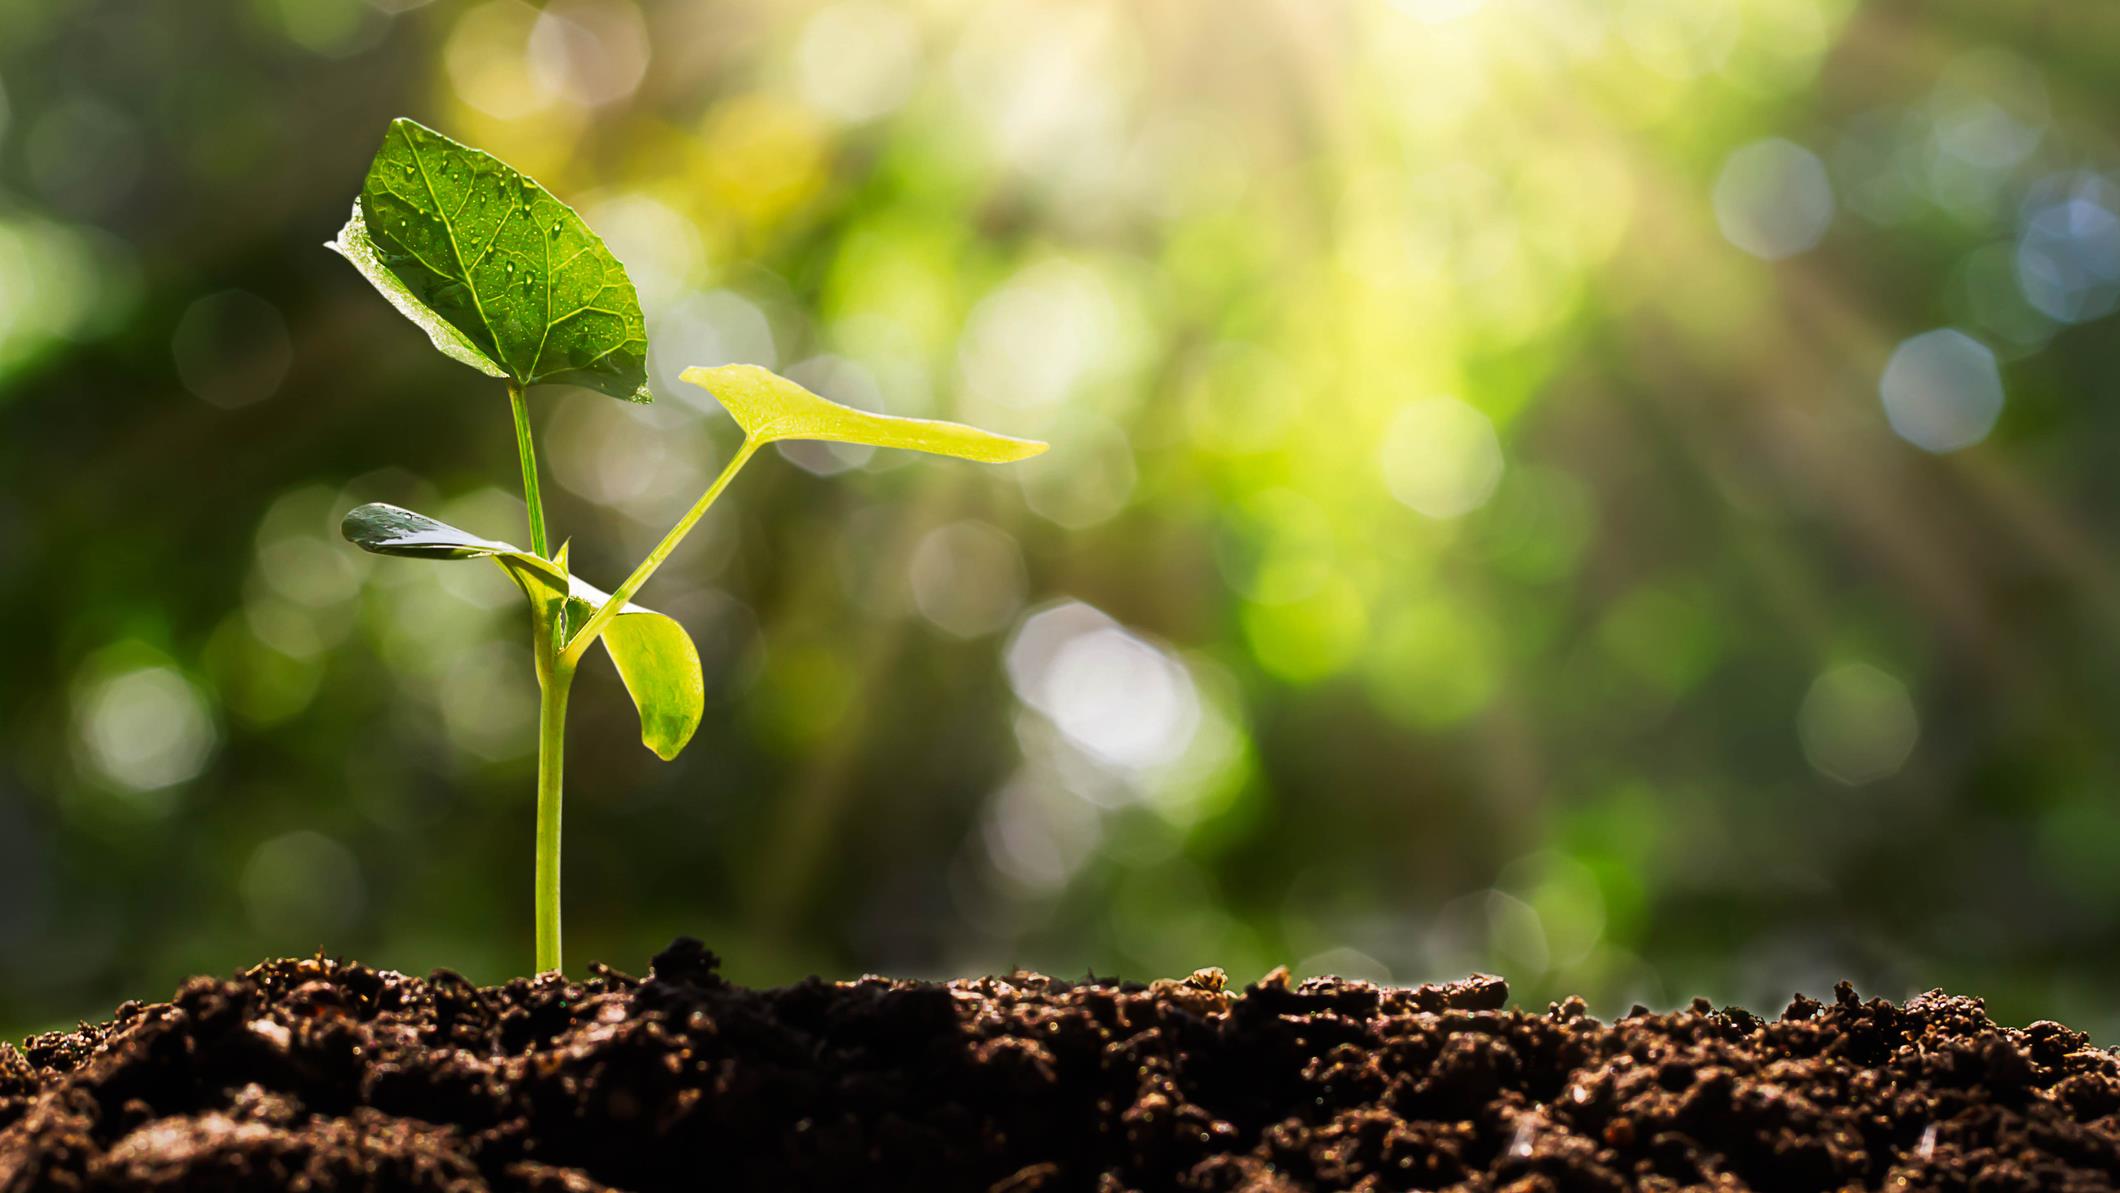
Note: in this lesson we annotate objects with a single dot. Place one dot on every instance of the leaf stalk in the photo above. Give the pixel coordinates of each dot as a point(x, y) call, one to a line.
point(586, 636)
point(526, 451)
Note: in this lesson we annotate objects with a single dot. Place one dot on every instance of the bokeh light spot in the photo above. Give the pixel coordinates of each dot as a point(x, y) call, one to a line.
point(1050, 82)
point(2068, 255)
point(1440, 457)
point(1772, 199)
point(1942, 390)
point(1989, 109)
point(716, 328)
point(231, 349)
point(487, 58)
point(145, 728)
point(658, 243)
point(1037, 338)
point(1086, 479)
point(857, 60)
point(617, 455)
point(968, 578)
point(1857, 724)
point(1120, 699)
point(589, 52)
point(1038, 835)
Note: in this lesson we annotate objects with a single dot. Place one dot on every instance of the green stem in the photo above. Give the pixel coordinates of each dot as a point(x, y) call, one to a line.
point(556, 676)
point(551, 751)
point(579, 644)
point(527, 451)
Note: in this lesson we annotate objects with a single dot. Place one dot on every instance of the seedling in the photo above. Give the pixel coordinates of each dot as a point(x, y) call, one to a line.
point(507, 279)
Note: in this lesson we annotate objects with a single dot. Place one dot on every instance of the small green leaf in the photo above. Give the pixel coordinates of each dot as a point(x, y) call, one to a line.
point(394, 530)
point(657, 661)
point(501, 275)
point(653, 654)
point(770, 407)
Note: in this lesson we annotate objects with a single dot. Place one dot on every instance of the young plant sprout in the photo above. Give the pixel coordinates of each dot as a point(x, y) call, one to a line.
point(507, 279)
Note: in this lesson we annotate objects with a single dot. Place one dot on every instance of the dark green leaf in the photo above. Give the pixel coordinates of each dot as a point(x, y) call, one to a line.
point(355, 245)
point(394, 530)
point(501, 275)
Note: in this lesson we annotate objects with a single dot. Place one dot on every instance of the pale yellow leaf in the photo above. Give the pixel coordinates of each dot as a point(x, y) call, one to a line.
point(770, 407)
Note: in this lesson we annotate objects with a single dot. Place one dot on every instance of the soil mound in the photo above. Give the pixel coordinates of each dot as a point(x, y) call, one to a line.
point(321, 1075)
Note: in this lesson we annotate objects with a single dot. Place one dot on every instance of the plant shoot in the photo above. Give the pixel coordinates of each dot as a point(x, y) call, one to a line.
point(507, 279)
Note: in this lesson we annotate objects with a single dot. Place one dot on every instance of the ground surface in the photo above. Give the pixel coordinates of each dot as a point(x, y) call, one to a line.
point(327, 1076)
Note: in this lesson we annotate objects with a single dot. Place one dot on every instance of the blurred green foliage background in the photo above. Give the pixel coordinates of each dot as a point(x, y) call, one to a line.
point(1620, 495)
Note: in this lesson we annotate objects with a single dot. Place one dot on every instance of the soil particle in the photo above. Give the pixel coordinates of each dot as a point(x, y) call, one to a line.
point(320, 1075)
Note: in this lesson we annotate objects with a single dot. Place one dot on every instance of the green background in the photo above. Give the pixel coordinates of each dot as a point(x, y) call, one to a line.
point(1492, 519)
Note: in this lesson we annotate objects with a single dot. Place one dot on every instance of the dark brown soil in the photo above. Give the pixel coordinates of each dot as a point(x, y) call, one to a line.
point(326, 1076)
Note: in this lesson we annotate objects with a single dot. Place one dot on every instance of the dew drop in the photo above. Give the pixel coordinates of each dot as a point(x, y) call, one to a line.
point(410, 169)
point(511, 267)
point(555, 228)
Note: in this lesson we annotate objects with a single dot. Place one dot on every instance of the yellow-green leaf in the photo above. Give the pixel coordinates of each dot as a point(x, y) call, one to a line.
point(770, 407)
point(658, 663)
